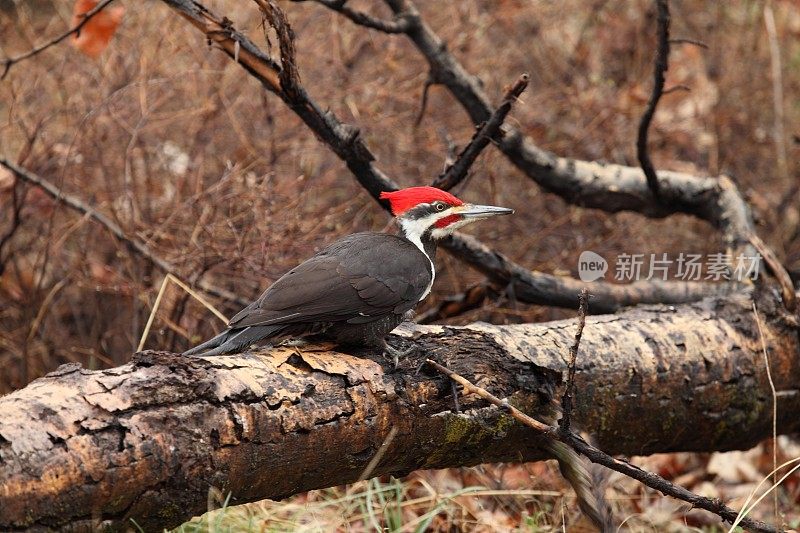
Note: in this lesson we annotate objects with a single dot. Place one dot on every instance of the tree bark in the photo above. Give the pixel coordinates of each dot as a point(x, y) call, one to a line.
point(145, 441)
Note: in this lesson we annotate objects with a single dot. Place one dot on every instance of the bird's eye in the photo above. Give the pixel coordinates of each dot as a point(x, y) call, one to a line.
point(439, 206)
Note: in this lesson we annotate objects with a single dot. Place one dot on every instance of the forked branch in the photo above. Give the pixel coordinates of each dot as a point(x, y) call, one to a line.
point(660, 66)
point(485, 133)
point(597, 456)
point(345, 141)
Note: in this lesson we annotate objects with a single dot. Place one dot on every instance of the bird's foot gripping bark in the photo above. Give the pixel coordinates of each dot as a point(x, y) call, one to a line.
point(396, 353)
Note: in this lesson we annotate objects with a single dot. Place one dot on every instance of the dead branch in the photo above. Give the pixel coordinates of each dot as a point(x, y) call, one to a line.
point(147, 439)
point(660, 66)
point(569, 389)
point(17, 203)
point(345, 141)
point(486, 132)
point(86, 17)
point(778, 270)
point(132, 243)
point(649, 479)
point(608, 187)
point(546, 289)
point(398, 25)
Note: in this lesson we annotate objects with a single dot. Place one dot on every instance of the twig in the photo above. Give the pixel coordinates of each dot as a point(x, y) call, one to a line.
point(598, 456)
point(345, 141)
point(569, 390)
point(376, 459)
point(469, 388)
point(430, 81)
point(486, 132)
point(774, 405)
point(86, 17)
point(777, 269)
point(398, 25)
point(17, 204)
point(777, 91)
point(133, 244)
point(686, 40)
point(661, 64)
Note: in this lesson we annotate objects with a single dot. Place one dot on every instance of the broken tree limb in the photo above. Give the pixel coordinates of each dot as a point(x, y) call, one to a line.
point(484, 134)
point(575, 442)
point(608, 187)
point(547, 289)
point(146, 440)
point(346, 142)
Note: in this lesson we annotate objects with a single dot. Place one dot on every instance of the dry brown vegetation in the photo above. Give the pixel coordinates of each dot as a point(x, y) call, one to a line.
point(172, 141)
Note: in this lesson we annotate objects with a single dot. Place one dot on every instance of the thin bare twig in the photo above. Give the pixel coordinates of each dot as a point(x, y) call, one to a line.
point(686, 40)
point(398, 25)
point(376, 459)
point(776, 267)
point(133, 244)
point(346, 142)
point(86, 17)
point(598, 456)
point(569, 390)
point(661, 64)
point(17, 204)
point(778, 131)
point(486, 132)
point(469, 388)
point(774, 406)
point(430, 81)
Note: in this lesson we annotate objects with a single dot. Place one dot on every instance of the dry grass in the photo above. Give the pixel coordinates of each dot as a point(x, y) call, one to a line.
point(170, 139)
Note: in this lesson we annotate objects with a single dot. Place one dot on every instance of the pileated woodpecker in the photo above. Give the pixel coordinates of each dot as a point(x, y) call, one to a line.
point(359, 288)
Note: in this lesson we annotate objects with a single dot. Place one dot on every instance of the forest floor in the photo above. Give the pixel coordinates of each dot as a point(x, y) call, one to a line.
point(179, 147)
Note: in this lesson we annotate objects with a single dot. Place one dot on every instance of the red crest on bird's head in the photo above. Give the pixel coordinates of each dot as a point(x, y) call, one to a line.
point(405, 199)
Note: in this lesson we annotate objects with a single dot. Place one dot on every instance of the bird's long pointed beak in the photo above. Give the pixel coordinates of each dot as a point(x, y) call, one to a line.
point(484, 211)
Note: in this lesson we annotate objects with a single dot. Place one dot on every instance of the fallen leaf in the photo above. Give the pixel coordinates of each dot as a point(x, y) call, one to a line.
point(95, 35)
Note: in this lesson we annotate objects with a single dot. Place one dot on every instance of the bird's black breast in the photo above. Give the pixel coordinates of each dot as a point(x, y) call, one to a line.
point(360, 278)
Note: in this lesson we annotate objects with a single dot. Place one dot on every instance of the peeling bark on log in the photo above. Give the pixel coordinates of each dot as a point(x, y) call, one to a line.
point(145, 441)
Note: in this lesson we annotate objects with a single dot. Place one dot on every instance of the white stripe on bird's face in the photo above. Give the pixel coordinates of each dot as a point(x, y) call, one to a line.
point(414, 229)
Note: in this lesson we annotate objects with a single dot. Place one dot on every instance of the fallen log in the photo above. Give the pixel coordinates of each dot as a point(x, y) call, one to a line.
point(146, 441)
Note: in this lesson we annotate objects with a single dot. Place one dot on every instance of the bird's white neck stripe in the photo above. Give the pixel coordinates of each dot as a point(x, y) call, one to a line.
point(413, 231)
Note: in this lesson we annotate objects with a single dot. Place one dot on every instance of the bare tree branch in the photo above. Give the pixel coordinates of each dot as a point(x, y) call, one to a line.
point(398, 25)
point(686, 40)
point(650, 479)
point(146, 440)
point(345, 141)
point(660, 66)
point(17, 204)
point(133, 244)
point(545, 289)
point(486, 132)
point(86, 17)
point(608, 187)
point(569, 389)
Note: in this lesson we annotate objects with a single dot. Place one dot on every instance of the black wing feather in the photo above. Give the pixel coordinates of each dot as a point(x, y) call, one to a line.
point(359, 277)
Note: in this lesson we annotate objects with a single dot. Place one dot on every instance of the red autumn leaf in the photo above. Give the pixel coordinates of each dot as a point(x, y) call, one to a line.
point(95, 35)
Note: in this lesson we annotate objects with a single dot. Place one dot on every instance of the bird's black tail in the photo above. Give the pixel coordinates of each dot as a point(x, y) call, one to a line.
point(235, 340)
